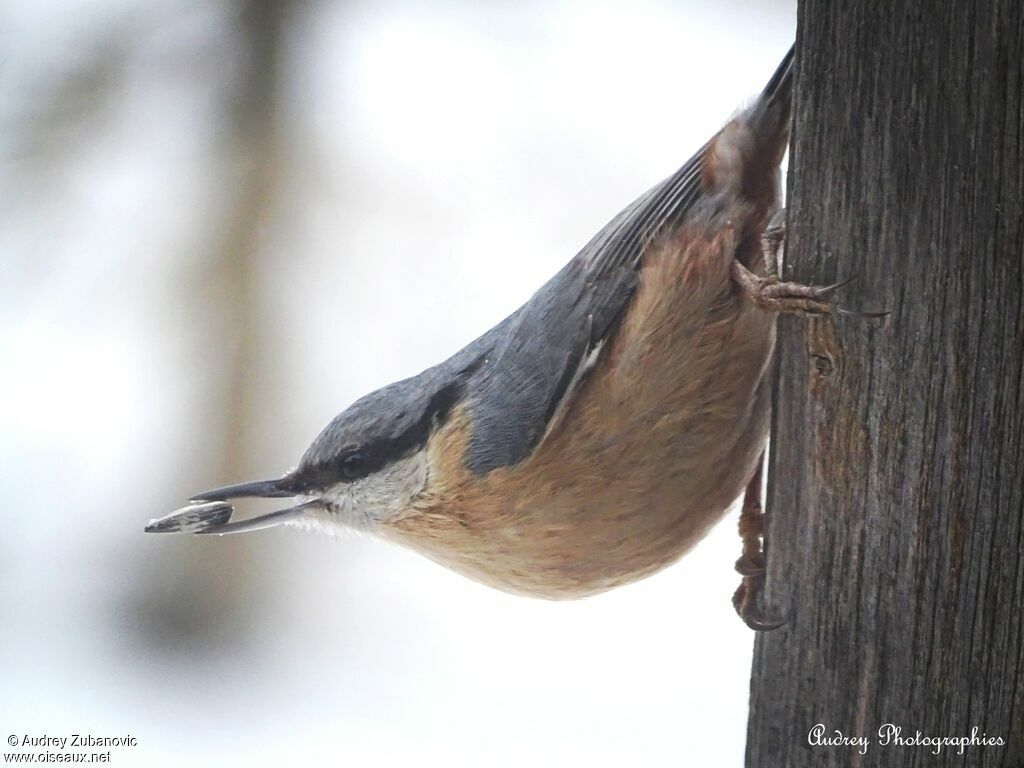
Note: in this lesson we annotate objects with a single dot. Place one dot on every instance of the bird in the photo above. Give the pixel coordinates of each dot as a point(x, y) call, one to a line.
point(595, 435)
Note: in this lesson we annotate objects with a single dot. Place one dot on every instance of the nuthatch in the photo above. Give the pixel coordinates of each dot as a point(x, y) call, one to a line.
point(596, 434)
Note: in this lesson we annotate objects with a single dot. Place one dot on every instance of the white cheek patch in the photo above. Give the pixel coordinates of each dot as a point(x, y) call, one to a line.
point(385, 495)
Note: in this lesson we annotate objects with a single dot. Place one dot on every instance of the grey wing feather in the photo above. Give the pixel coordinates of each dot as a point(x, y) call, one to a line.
point(539, 353)
point(536, 357)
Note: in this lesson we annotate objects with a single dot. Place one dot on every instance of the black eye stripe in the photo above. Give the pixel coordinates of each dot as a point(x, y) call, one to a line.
point(358, 463)
point(364, 448)
point(352, 465)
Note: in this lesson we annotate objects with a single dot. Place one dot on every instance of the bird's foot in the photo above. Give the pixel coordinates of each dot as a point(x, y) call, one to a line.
point(746, 601)
point(771, 294)
point(751, 564)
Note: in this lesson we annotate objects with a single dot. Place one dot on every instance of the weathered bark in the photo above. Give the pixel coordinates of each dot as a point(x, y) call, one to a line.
point(896, 546)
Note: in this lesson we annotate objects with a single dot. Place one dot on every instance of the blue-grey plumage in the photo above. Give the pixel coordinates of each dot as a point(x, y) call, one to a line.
point(598, 432)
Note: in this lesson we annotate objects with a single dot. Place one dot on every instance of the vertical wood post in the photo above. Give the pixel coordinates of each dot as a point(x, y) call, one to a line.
point(895, 536)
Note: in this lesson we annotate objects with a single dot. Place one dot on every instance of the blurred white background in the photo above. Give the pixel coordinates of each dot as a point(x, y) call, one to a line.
point(220, 223)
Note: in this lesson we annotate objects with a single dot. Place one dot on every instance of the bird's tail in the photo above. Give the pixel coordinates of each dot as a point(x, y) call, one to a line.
point(770, 117)
point(780, 87)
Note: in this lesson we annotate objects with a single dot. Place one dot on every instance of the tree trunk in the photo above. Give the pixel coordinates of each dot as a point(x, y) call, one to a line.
point(896, 546)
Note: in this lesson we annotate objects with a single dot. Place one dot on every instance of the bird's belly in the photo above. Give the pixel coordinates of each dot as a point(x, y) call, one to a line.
point(660, 440)
point(598, 511)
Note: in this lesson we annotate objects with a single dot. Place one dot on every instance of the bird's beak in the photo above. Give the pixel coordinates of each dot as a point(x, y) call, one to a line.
point(264, 489)
point(210, 513)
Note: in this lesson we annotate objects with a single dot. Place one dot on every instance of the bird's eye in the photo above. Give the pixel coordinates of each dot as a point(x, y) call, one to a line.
point(352, 465)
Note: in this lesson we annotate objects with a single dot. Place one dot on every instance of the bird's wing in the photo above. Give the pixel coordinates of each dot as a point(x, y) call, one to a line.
point(547, 347)
point(536, 359)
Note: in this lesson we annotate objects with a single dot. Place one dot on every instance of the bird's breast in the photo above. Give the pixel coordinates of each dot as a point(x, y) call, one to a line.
point(660, 439)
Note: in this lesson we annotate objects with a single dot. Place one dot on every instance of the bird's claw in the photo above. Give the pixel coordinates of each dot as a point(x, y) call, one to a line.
point(745, 601)
point(772, 294)
point(751, 565)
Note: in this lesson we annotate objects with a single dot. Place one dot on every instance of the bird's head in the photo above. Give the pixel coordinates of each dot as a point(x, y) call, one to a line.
point(364, 469)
